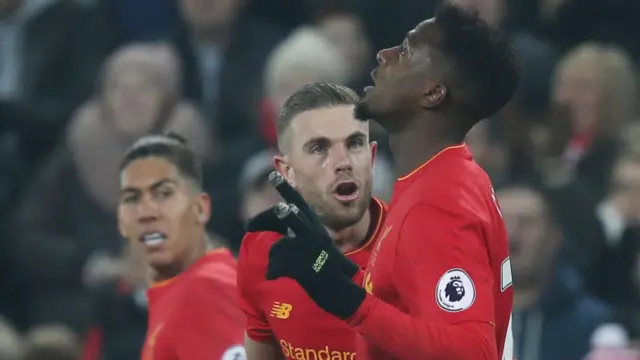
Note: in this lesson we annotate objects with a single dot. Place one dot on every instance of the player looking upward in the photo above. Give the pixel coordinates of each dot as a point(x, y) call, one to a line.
point(193, 303)
point(439, 284)
point(327, 156)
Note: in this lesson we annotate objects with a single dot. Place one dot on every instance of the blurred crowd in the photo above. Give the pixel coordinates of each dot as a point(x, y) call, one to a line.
point(80, 80)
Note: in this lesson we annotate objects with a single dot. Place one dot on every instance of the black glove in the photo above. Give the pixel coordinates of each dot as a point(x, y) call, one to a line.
point(268, 220)
point(306, 253)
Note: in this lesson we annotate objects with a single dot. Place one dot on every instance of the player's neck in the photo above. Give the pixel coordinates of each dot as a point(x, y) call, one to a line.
point(412, 147)
point(352, 237)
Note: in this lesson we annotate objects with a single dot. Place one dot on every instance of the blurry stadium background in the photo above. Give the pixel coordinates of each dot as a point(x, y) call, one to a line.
point(79, 80)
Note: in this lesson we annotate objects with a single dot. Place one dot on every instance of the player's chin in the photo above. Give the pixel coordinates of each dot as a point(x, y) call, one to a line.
point(364, 111)
point(161, 259)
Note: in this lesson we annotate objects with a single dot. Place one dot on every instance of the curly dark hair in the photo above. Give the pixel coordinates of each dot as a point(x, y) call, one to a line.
point(486, 73)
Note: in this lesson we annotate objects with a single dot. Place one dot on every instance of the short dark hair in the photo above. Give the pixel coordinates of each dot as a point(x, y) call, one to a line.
point(483, 60)
point(314, 96)
point(170, 147)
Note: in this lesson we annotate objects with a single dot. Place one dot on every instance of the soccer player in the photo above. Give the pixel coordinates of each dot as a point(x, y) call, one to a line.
point(438, 286)
point(193, 302)
point(327, 156)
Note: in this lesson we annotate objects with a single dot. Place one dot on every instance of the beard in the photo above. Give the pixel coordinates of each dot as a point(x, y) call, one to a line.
point(335, 215)
point(362, 112)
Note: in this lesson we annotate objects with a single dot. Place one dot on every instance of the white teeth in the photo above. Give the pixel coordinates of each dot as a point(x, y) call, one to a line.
point(153, 238)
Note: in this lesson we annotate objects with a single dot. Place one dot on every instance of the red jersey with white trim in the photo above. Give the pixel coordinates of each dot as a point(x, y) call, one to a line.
point(439, 283)
point(195, 315)
point(281, 312)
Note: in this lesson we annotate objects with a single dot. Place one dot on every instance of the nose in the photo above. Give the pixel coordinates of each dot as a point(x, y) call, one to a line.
point(147, 212)
point(342, 160)
point(381, 57)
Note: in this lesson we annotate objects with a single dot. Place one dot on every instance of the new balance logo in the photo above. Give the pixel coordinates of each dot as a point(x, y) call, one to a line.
point(280, 310)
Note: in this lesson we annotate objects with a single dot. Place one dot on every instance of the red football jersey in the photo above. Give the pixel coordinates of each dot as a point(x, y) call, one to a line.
point(196, 314)
point(280, 311)
point(441, 278)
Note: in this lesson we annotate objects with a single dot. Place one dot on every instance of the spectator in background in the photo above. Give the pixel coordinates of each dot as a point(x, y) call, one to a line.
point(51, 342)
point(10, 342)
point(490, 154)
point(346, 32)
point(66, 226)
point(611, 342)
point(45, 74)
point(598, 84)
point(223, 53)
point(554, 316)
point(256, 191)
point(119, 323)
point(620, 218)
point(140, 20)
point(305, 57)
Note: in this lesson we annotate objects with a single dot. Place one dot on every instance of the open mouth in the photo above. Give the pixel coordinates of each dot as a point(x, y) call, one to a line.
point(153, 239)
point(346, 191)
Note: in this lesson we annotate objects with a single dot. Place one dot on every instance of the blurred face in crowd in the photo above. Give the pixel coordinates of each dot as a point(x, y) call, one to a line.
point(579, 86)
point(346, 33)
point(262, 197)
point(134, 102)
point(328, 159)
point(161, 213)
point(626, 189)
point(294, 80)
point(209, 15)
point(139, 83)
point(532, 236)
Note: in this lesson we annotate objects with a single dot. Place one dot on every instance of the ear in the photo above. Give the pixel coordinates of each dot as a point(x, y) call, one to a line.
point(280, 164)
point(434, 95)
point(203, 208)
point(121, 228)
point(373, 146)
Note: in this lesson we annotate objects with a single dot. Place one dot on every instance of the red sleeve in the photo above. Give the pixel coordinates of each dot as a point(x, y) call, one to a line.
point(249, 276)
point(212, 323)
point(440, 251)
point(358, 278)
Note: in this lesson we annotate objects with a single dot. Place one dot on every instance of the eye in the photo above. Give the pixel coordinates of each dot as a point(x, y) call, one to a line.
point(356, 143)
point(317, 149)
point(164, 193)
point(129, 199)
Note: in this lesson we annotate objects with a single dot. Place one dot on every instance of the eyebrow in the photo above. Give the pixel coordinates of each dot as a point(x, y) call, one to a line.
point(151, 187)
point(325, 140)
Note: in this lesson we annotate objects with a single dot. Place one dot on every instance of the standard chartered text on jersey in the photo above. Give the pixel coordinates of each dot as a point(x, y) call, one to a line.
point(291, 351)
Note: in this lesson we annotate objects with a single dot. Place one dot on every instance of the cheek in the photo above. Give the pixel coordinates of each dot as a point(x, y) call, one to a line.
point(362, 162)
point(176, 211)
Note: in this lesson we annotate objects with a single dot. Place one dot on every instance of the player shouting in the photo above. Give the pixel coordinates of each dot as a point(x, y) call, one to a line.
point(439, 284)
point(327, 156)
point(193, 304)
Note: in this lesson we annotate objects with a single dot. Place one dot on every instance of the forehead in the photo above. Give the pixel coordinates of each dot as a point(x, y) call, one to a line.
point(521, 202)
point(426, 32)
point(144, 172)
point(333, 122)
